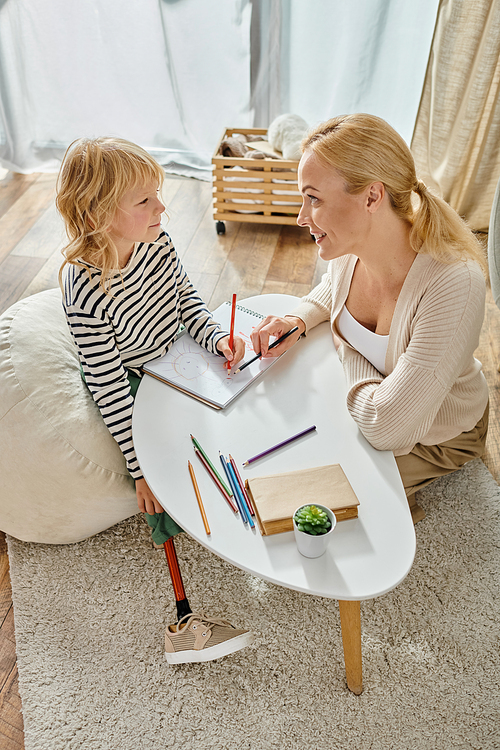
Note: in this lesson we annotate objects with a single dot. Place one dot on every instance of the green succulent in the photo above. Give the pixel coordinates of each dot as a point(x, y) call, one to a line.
point(312, 520)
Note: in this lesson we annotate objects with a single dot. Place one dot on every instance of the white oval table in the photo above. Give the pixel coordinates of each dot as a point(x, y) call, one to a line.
point(368, 556)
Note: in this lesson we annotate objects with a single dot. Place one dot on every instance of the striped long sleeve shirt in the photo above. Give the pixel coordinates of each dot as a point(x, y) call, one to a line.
point(434, 389)
point(133, 324)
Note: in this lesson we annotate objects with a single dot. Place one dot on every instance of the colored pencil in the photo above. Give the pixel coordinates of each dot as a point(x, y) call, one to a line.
point(243, 514)
point(239, 494)
point(231, 329)
point(198, 447)
point(198, 497)
point(279, 445)
point(275, 343)
point(242, 486)
point(216, 481)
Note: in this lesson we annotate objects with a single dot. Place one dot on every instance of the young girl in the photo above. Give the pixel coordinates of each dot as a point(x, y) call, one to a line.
point(125, 293)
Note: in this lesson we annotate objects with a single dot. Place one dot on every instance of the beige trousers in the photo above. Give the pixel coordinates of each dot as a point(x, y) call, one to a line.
point(425, 463)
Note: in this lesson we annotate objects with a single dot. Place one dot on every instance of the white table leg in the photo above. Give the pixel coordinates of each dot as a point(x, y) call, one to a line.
point(350, 621)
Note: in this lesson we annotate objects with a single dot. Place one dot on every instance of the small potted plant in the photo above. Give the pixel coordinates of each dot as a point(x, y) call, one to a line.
point(313, 526)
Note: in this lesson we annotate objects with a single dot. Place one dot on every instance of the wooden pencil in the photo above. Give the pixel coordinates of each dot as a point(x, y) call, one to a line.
point(242, 486)
point(280, 445)
point(216, 481)
point(241, 507)
point(198, 497)
point(231, 328)
point(203, 453)
point(238, 494)
point(271, 346)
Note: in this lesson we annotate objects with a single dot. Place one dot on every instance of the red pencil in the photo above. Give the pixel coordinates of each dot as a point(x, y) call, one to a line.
point(216, 480)
point(231, 329)
point(242, 486)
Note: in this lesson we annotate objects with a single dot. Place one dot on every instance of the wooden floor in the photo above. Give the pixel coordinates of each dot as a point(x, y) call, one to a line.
point(249, 259)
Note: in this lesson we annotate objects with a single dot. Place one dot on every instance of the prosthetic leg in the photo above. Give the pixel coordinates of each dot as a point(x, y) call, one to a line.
point(195, 637)
point(181, 600)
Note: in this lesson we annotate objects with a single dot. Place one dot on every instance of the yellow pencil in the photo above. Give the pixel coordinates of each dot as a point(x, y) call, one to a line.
point(198, 497)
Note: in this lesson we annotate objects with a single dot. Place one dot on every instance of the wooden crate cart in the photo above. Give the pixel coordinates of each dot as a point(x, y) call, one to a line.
point(255, 190)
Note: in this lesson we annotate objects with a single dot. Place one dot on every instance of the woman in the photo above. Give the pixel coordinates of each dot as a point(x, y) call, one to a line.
point(404, 292)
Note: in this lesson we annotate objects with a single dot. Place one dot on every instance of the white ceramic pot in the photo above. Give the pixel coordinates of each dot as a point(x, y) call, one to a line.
point(309, 545)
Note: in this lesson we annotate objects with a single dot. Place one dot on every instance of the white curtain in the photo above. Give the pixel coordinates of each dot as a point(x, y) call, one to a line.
point(173, 74)
point(167, 75)
point(360, 56)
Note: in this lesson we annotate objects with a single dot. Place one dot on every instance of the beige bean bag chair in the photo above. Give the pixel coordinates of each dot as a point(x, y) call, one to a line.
point(63, 477)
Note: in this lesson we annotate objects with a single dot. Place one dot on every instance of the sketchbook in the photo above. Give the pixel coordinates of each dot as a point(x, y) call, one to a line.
point(191, 369)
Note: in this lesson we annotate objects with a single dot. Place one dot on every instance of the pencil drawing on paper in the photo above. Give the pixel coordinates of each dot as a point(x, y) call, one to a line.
point(190, 363)
point(247, 340)
point(192, 369)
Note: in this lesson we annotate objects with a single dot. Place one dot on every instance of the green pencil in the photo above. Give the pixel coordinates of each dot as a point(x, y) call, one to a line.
point(198, 446)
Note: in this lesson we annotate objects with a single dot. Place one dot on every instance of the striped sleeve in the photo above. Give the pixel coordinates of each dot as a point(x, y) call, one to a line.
point(133, 324)
point(106, 377)
point(194, 313)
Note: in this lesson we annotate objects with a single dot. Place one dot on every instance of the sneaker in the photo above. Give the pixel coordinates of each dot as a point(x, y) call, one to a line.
point(198, 638)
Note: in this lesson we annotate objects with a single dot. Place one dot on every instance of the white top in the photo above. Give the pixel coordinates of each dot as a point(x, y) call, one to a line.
point(371, 345)
point(434, 388)
point(367, 556)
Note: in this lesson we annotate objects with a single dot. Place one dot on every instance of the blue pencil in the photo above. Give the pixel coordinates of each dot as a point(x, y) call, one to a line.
point(241, 507)
point(237, 491)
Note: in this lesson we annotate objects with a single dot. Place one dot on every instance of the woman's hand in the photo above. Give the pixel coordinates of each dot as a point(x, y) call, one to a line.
point(235, 356)
point(273, 326)
point(146, 501)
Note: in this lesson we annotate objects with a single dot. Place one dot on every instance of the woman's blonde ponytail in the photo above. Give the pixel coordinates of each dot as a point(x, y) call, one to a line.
point(438, 230)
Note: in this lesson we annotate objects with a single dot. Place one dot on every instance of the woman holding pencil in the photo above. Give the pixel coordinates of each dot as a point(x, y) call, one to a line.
point(404, 293)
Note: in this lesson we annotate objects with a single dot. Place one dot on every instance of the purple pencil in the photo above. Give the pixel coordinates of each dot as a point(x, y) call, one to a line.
point(280, 445)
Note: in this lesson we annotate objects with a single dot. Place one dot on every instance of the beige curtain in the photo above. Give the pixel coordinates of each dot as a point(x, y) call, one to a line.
point(456, 142)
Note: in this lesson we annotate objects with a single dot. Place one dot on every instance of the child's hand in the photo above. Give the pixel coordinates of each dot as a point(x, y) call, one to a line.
point(235, 356)
point(146, 501)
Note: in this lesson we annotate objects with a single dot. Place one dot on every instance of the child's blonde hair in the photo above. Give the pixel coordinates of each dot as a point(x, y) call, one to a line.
point(363, 149)
point(95, 175)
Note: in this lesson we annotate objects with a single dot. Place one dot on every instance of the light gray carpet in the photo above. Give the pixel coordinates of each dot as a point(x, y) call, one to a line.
point(89, 627)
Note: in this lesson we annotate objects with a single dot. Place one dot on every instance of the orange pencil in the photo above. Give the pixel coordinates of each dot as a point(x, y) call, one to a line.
point(198, 497)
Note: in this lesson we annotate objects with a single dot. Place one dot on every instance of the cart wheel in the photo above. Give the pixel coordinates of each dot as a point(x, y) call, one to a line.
point(220, 227)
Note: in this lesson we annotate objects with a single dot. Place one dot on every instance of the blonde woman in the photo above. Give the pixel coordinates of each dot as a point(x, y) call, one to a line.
point(125, 293)
point(404, 293)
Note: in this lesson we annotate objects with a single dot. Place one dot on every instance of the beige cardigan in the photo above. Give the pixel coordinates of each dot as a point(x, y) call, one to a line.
point(434, 388)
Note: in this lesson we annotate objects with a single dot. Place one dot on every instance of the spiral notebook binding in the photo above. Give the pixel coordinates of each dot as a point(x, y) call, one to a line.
point(248, 311)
